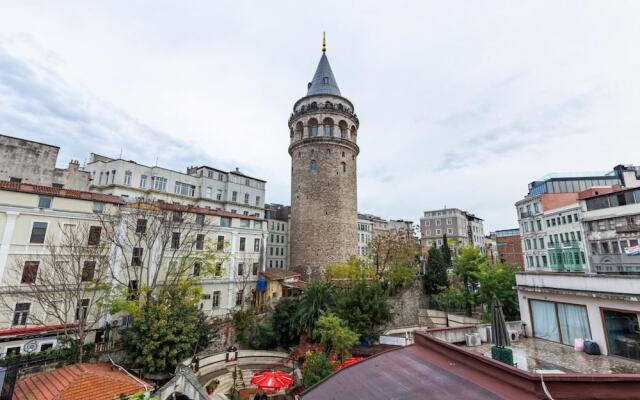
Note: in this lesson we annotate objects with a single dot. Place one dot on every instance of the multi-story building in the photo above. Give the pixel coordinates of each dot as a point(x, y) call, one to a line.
point(589, 290)
point(611, 224)
point(365, 235)
point(547, 216)
point(36, 220)
point(31, 162)
point(491, 248)
point(509, 246)
point(323, 130)
point(461, 228)
point(202, 186)
point(277, 217)
point(402, 226)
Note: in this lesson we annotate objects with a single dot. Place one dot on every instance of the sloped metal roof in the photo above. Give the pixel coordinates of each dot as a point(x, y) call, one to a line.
point(323, 81)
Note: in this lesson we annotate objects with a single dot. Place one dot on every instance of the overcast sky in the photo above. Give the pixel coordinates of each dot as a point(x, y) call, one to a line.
point(460, 103)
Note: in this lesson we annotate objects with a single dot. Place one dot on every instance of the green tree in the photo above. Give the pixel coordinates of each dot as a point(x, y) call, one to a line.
point(350, 271)
point(318, 298)
point(467, 266)
point(316, 367)
point(206, 331)
point(449, 298)
point(242, 321)
point(265, 337)
point(164, 331)
point(435, 275)
point(335, 335)
point(284, 322)
point(446, 251)
point(499, 279)
point(364, 307)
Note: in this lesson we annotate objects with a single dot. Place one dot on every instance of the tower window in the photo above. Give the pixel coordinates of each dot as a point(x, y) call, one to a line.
point(325, 80)
point(313, 167)
point(343, 166)
point(313, 127)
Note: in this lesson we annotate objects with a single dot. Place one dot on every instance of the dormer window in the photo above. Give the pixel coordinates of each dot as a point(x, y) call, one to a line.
point(325, 80)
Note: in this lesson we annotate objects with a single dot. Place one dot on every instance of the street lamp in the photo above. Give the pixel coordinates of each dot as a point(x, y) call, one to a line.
point(231, 360)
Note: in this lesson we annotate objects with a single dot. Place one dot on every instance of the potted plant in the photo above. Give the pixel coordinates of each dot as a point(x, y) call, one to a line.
point(212, 385)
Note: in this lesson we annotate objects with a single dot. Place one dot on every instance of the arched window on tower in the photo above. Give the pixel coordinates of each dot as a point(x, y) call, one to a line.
point(313, 127)
point(343, 166)
point(298, 131)
point(328, 127)
point(313, 167)
point(354, 135)
point(343, 129)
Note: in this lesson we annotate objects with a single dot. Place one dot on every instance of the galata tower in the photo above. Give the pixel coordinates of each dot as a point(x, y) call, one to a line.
point(323, 131)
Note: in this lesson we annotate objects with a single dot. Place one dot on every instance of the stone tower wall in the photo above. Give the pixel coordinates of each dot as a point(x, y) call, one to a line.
point(323, 202)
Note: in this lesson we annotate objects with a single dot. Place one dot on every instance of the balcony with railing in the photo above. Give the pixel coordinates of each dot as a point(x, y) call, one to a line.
point(565, 256)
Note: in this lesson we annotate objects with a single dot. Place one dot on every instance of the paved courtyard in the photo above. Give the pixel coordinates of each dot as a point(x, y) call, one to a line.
point(531, 354)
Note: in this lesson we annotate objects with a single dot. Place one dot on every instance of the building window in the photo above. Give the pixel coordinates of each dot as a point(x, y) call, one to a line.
point(94, 235)
point(21, 314)
point(133, 290)
point(258, 201)
point(98, 207)
point(30, 272)
point(44, 201)
point(175, 240)
point(225, 221)
point(209, 192)
point(313, 167)
point(136, 257)
point(215, 299)
point(82, 309)
point(245, 223)
point(197, 266)
point(127, 178)
point(88, 271)
point(177, 216)
point(254, 269)
point(38, 232)
point(184, 189)
point(246, 198)
point(200, 241)
point(313, 128)
point(256, 244)
point(243, 242)
point(113, 176)
point(143, 181)
point(220, 243)
point(159, 183)
point(234, 196)
point(141, 225)
point(200, 219)
point(219, 195)
point(239, 298)
point(240, 269)
point(559, 322)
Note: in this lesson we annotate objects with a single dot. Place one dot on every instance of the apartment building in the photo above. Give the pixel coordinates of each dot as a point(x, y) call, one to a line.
point(461, 228)
point(365, 235)
point(32, 162)
point(509, 246)
point(549, 216)
point(277, 219)
point(589, 288)
point(36, 220)
point(202, 186)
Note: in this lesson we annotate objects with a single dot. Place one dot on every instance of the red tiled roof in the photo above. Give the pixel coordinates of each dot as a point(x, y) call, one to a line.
point(277, 273)
point(202, 210)
point(57, 192)
point(296, 284)
point(78, 382)
point(32, 329)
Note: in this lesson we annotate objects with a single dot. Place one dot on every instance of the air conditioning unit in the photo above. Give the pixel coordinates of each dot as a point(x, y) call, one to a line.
point(514, 335)
point(473, 339)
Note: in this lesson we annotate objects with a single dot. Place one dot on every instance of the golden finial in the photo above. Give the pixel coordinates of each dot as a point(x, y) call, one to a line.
point(324, 42)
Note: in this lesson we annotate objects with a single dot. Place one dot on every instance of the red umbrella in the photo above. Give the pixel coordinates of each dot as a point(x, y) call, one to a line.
point(272, 380)
point(350, 361)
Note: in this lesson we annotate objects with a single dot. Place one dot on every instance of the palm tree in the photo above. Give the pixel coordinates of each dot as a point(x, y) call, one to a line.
point(318, 298)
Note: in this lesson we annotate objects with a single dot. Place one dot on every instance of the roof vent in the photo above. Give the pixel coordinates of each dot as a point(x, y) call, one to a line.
point(308, 85)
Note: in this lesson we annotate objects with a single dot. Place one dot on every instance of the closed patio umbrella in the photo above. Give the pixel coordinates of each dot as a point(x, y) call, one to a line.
point(499, 333)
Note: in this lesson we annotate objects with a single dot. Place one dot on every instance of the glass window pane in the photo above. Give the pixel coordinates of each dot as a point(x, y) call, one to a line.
point(545, 323)
point(573, 323)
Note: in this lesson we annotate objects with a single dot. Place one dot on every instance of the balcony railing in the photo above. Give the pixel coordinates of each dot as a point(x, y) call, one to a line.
point(628, 228)
point(563, 245)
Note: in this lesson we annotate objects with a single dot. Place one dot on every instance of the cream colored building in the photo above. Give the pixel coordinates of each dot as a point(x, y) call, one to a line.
point(203, 186)
point(32, 219)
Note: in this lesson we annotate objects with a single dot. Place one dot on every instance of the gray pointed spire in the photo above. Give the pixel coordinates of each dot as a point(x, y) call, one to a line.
point(323, 80)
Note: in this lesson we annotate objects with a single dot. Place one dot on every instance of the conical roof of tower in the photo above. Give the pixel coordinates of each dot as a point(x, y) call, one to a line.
point(323, 81)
